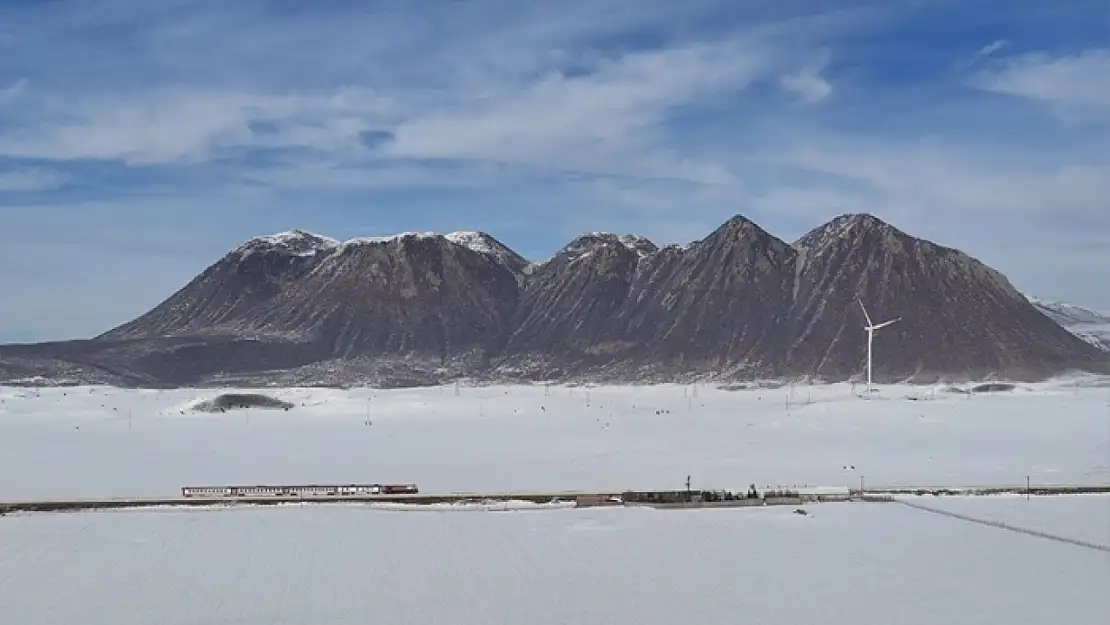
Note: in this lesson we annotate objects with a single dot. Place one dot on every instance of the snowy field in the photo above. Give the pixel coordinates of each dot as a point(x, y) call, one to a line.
point(354, 564)
point(846, 564)
point(78, 442)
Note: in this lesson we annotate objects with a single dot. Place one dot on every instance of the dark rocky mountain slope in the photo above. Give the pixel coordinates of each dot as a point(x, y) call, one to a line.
point(231, 290)
point(571, 305)
point(714, 305)
point(420, 308)
point(958, 315)
point(630, 311)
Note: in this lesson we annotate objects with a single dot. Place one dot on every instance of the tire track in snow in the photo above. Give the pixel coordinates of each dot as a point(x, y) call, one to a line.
point(1006, 526)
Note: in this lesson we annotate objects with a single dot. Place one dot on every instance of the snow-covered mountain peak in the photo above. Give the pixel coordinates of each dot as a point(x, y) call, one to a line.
point(480, 242)
point(472, 239)
point(640, 245)
point(1088, 324)
point(302, 243)
point(483, 243)
point(298, 242)
point(842, 228)
point(1068, 314)
point(594, 240)
point(390, 238)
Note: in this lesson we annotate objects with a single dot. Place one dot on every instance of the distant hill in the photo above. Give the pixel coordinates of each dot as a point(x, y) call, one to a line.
point(1088, 324)
point(421, 308)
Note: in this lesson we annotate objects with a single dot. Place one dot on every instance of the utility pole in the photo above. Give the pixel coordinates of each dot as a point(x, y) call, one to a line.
point(1027, 493)
point(861, 487)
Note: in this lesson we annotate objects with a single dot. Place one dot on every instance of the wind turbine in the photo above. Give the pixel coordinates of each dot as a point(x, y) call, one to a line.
point(870, 329)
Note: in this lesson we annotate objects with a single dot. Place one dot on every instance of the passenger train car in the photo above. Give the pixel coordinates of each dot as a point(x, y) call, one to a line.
point(308, 490)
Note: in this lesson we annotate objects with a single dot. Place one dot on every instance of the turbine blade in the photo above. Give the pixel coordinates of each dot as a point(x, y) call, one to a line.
point(865, 315)
point(886, 323)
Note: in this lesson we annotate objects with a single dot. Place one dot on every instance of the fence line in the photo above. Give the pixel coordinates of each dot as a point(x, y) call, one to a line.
point(1007, 526)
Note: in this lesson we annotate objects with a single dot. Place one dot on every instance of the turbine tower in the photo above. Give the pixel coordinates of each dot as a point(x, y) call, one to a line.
point(870, 329)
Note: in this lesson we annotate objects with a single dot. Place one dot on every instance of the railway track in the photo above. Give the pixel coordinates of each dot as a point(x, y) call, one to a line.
point(988, 489)
point(63, 505)
point(877, 494)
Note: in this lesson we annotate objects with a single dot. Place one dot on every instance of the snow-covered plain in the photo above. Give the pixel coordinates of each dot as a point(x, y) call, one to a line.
point(87, 442)
point(346, 564)
point(351, 564)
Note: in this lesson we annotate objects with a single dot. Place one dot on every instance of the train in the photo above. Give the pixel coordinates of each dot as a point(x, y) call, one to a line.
point(305, 490)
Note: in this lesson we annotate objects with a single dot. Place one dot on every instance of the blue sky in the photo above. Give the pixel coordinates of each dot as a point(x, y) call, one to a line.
point(140, 141)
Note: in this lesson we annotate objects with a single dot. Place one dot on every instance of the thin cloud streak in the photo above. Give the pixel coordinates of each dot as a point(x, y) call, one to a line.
point(808, 84)
point(32, 179)
point(1079, 80)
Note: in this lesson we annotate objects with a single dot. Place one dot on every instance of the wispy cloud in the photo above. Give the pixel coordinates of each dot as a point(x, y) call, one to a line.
point(808, 84)
point(188, 125)
point(12, 91)
point(564, 88)
point(604, 121)
point(993, 47)
point(1038, 221)
point(29, 179)
point(1070, 81)
point(932, 181)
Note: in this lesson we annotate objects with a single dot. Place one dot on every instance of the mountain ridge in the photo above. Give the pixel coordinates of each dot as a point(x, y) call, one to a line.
point(422, 307)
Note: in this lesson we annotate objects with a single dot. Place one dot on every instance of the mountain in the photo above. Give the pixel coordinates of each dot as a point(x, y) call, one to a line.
point(436, 298)
point(1088, 324)
point(958, 315)
point(570, 305)
point(620, 308)
point(716, 304)
point(418, 308)
point(233, 288)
